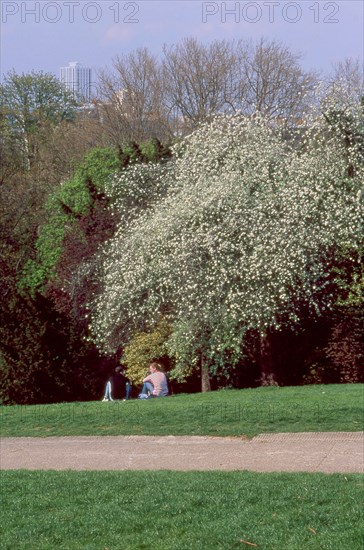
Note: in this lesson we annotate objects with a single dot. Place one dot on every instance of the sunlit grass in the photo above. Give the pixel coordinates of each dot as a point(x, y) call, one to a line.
point(180, 510)
point(227, 412)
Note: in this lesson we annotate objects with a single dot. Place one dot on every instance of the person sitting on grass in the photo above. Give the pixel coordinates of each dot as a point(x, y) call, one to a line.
point(117, 385)
point(155, 384)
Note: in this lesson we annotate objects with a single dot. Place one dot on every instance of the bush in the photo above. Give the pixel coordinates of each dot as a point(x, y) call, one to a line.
point(144, 348)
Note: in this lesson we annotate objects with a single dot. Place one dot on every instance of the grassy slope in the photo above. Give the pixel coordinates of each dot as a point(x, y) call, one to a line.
point(228, 412)
point(180, 511)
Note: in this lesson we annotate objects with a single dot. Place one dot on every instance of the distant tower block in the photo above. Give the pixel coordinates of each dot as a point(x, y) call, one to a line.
point(77, 80)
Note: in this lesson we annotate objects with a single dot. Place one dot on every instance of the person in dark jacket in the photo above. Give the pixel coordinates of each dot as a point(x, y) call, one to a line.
point(118, 386)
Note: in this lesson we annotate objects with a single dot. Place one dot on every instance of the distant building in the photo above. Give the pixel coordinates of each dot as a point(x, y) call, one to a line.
point(77, 80)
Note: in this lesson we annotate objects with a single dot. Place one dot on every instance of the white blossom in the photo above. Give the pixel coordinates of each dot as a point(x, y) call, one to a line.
point(238, 231)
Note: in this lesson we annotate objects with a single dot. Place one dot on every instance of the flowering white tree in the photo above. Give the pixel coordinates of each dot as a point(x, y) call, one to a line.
point(246, 234)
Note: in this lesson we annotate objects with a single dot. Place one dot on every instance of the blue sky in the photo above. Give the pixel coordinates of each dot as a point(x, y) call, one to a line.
point(45, 35)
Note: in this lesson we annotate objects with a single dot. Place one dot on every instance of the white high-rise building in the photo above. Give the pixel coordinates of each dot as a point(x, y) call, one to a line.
point(77, 79)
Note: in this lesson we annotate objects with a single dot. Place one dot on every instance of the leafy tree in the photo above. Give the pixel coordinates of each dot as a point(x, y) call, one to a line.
point(246, 239)
point(70, 203)
point(31, 106)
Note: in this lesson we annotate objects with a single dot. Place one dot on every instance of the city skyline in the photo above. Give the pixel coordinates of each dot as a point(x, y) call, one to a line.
point(95, 33)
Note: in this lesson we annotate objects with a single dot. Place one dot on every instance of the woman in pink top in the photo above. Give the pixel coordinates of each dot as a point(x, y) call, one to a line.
point(156, 382)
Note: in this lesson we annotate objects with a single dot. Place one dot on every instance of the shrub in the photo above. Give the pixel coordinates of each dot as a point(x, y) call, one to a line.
point(144, 348)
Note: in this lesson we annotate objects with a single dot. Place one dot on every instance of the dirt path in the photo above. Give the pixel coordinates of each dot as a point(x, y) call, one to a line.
point(301, 452)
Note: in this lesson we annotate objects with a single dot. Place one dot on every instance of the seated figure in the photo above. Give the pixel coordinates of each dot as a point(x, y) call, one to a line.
point(118, 386)
point(155, 384)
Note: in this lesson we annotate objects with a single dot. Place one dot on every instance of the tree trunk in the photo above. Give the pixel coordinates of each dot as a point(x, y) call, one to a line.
point(267, 376)
point(26, 152)
point(205, 379)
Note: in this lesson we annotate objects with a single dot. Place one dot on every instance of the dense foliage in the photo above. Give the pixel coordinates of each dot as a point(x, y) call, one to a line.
point(144, 348)
point(73, 201)
point(247, 238)
point(45, 353)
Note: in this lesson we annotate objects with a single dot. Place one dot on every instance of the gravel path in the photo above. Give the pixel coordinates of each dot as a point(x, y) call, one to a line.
point(300, 452)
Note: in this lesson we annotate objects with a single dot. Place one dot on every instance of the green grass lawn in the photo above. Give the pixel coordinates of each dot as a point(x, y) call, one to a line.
point(222, 413)
point(186, 510)
point(180, 510)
